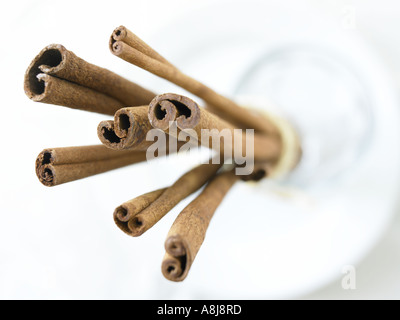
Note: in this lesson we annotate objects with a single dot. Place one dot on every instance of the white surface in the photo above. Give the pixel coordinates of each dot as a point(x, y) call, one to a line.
point(377, 276)
point(281, 231)
point(68, 246)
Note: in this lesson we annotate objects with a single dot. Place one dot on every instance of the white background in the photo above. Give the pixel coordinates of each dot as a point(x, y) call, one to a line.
point(56, 244)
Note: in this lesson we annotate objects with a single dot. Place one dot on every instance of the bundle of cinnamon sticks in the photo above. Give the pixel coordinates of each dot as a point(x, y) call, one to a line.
point(57, 76)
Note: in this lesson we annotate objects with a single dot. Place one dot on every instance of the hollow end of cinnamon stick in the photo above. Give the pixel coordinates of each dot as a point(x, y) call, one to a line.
point(117, 47)
point(122, 214)
point(128, 130)
point(137, 226)
point(127, 211)
point(108, 136)
point(168, 107)
point(162, 115)
point(118, 35)
point(174, 246)
point(177, 260)
point(44, 168)
point(173, 268)
point(123, 121)
point(124, 218)
point(50, 58)
point(121, 219)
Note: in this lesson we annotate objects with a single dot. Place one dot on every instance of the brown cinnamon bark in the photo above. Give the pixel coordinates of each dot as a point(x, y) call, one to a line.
point(127, 131)
point(64, 93)
point(133, 52)
point(58, 76)
point(55, 166)
point(189, 229)
point(123, 34)
point(168, 107)
point(183, 187)
point(126, 211)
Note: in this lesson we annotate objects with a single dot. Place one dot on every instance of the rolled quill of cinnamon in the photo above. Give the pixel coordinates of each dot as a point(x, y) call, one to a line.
point(189, 229)
point(58, 76)
point(127, 131)
point(127, 46)
point(123, 34)
point(55, 166)
point(169, 107)
point(126, 211)
point(134, 221)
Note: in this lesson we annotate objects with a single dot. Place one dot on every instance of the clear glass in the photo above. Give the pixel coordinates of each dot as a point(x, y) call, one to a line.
point(324, 99)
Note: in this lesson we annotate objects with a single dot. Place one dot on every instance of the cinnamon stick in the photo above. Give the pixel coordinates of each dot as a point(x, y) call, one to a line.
point(58, 76)
point(139, 222)
point(123, 34)
point(55, 166)
point(188, 230)
point(127, 131)
point(168, 107)
point(126, 211)
point(53, 90)
point(140, 54)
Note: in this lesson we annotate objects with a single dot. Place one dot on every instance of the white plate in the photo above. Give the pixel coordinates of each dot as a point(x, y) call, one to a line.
point(274, 241)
